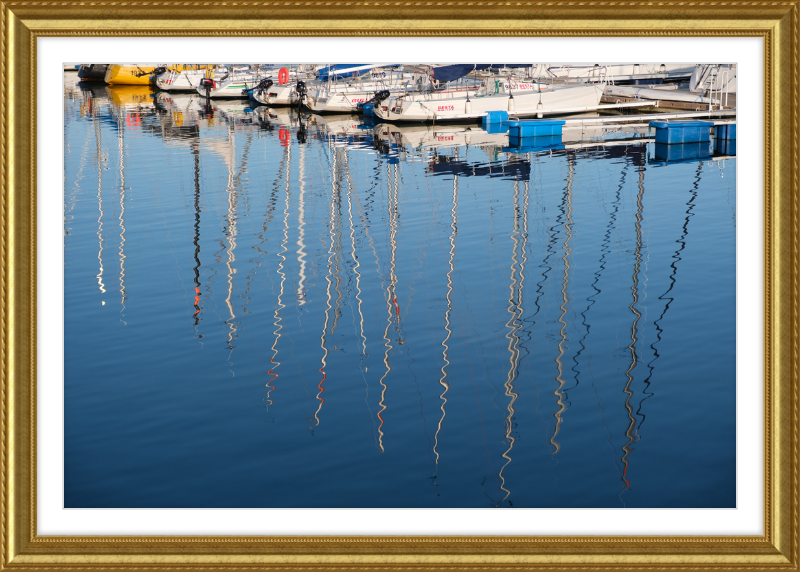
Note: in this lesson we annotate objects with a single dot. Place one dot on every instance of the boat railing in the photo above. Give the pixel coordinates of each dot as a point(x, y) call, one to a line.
point(724, 80)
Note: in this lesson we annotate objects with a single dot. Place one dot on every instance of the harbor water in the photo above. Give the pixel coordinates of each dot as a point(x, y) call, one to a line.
point(264, 309)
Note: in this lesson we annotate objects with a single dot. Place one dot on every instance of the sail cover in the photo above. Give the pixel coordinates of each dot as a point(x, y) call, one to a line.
point(453, 72)
point(338, 71)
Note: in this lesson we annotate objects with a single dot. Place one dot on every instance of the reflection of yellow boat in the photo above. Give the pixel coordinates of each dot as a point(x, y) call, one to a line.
point(139, 74)
point(129, 94)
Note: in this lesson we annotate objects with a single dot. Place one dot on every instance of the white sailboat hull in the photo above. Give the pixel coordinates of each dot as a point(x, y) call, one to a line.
point(278, 95)
point(425, 108)
point(186, 80)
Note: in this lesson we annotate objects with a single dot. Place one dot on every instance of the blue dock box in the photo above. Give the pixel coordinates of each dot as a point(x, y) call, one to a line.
point(493, 117)
point(534, 128)
point(682, 132)
point(727, 132)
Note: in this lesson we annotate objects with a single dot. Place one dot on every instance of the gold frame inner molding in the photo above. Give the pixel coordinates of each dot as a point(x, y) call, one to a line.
point(776, 22)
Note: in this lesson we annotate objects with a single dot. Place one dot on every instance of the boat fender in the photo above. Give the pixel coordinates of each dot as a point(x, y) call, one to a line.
point(511, 104)
point(283, 76)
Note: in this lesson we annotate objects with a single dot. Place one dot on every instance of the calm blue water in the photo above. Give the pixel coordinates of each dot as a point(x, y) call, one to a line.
point(261, 312)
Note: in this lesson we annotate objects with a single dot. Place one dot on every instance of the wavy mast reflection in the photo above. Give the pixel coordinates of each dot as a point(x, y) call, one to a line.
point(391, 297)
point(196, 241)
point(627, 448)
point(121, 145)
point(515, 310)
point(351, 198)
point(328, 278)
point(99, 165)
point(592, 300)
point(353, 255)
point(363, 214)
point(268, 218)
point(231, 230)
point(277, 319)
point(673, 278)
point(564, 305)
point(448, 332)
point(301, 224)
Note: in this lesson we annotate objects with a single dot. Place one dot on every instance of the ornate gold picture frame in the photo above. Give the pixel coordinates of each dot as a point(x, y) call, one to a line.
point(776, 22)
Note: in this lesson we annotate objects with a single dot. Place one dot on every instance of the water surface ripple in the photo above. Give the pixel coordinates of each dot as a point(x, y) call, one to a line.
point(269, 310)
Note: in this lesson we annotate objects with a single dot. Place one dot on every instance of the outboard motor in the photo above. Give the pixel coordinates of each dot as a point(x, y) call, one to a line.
point(377, 98)
point(263, 86)
point(159, 70)
point(380, 96)
point(302, 91)
point(208, 84)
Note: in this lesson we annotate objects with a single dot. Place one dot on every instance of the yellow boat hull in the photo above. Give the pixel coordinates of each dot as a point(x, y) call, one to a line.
point(128, 75)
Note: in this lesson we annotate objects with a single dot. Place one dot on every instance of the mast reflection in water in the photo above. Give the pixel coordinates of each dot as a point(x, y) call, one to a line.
point(264, 309)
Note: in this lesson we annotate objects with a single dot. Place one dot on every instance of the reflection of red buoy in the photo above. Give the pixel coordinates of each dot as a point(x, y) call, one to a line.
point(283, 76)
point(284, 135)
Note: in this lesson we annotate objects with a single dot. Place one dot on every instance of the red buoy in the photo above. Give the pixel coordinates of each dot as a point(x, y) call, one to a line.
point(283, 76)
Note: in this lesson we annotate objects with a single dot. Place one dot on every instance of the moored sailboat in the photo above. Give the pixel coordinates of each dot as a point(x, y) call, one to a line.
point(539, 99)
point(133, 74)
point(173, 79)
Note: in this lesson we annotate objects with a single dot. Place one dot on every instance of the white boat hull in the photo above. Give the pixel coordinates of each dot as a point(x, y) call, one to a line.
point(278, 95)
point(186, 80)
point(423, 108)
point(231, 87)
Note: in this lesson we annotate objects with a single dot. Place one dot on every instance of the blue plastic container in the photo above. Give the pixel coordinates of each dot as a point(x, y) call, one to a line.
point(685, 152)
point(682, 132)
point(493, 118)
point(534, 128)
point(725, 132)
point(532, 144)
point(368, 110)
